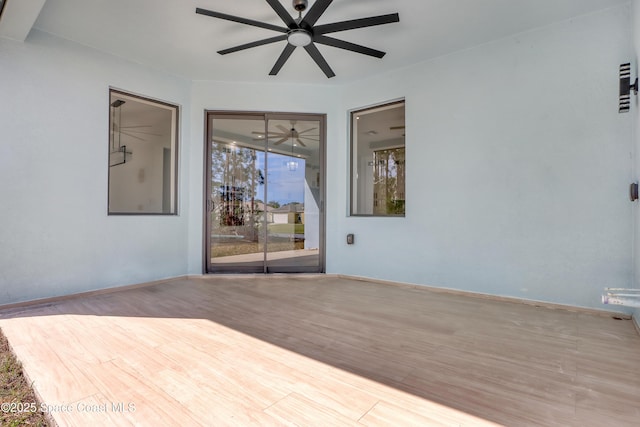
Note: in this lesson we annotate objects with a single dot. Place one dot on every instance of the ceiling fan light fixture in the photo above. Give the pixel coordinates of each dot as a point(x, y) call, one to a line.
point(299, 38)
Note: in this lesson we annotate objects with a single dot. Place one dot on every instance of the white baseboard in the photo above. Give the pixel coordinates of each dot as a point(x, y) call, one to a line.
point(514, 300)
point(49, 300)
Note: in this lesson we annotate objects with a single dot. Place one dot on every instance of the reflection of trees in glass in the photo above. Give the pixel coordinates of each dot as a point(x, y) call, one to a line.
point(388, 186)
point(234, 183)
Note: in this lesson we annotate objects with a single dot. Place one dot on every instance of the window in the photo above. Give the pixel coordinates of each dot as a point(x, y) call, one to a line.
point(378, 160)
point(143, 155)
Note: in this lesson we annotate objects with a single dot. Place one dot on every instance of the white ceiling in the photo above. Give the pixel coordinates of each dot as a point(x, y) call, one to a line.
point(168, 34)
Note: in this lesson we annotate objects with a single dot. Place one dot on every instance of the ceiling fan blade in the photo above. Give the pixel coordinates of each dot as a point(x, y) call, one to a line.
point(284, 56)
point(357, 23)
point(268, 133)
point(341, 44)
point(284, 129)
point(252, 44)
point(313, 51)
point(271, 136)
point(307, 130)
point(300, 142)
point(396, 127)
point(132, 136)
point(131, 127)
point(281, 141)
point(131, 131)
point(315, 12)
point(283, 14)
point(240, 20)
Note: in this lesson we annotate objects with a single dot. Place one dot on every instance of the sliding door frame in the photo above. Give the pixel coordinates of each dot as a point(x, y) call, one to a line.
point(207, 207)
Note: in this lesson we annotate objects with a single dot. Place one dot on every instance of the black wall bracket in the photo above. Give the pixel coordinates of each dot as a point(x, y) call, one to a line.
point(633, 191)
point(626, 87)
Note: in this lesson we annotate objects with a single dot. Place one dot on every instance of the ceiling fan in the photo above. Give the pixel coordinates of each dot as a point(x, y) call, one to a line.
point(130, 131)
point(285, 134)
point(302, 32)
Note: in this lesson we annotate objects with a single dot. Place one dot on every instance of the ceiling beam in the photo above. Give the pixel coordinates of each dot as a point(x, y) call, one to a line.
point(18, 18)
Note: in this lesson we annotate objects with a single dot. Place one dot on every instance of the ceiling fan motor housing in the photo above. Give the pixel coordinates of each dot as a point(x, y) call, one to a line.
point(300, 5)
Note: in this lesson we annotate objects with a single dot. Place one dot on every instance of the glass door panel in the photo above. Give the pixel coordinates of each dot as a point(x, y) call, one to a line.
point(264, 193)
point(236, 189)
point(293, 194)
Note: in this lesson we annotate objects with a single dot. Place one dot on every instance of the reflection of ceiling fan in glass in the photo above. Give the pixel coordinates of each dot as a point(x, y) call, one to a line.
point(134, 132)
point(286, 134)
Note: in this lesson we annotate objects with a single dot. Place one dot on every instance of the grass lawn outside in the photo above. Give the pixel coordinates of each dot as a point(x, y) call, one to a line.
point(222, 247)
point(244, 247)
point(18, 404)
point(286, 228)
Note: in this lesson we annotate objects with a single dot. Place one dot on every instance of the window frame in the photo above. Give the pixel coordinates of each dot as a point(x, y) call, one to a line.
point(352, 203)
point(174, 208)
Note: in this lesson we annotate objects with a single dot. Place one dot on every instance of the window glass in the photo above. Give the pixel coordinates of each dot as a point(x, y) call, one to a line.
point(143, 153)
point(378, 160)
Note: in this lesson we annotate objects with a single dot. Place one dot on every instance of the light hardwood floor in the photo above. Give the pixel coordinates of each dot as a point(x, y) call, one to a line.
point(323, 351)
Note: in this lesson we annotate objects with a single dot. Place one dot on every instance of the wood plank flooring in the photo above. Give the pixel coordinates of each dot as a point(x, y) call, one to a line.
point(319, 351)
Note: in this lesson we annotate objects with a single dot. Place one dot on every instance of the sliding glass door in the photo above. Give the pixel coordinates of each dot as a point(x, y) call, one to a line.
point(264, 195)
point(236, 184)
point(293, 194)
